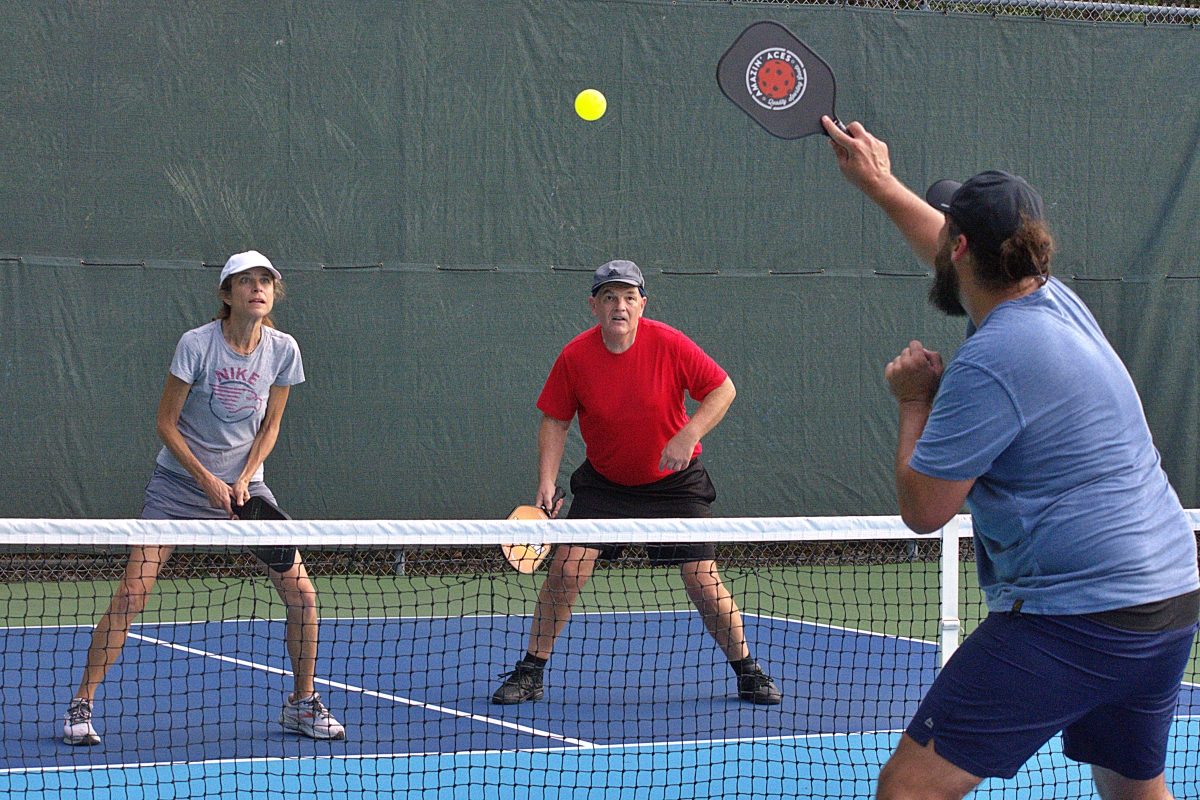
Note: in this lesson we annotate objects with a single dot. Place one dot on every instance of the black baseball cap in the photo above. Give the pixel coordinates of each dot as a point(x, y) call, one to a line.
point(987, 208)
point(625, 272)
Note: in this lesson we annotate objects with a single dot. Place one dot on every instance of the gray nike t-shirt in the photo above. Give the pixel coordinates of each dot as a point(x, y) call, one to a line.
point(228, 398)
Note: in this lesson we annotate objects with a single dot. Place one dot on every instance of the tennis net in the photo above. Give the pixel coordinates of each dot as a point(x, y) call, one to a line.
point(420, 622)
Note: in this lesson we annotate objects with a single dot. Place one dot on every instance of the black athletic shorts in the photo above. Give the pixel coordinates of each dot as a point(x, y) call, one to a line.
point(686, 493)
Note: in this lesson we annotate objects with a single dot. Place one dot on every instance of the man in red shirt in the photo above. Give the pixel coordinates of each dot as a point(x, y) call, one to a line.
point(625, 378)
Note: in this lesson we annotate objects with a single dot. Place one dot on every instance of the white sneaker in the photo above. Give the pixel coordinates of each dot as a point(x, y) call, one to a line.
point(309, 717)
point(77, 724)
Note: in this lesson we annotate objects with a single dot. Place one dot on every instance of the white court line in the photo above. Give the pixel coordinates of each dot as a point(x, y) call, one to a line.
point(408, 618)
point(592, 749)
point(633, 612)
point(630, 613)
point(788, 620)
point(839, 628)
point(833, 738)
point(369, 693)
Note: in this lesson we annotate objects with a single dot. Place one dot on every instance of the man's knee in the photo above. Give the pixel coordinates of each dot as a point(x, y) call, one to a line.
point(700, 573)
point(304, 597)
point(1111, 785)
point(296, 590)
point(702, 581)
point(917, 772)
point(573, 569)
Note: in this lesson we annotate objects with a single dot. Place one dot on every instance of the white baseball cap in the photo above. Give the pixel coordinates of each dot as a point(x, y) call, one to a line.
point(240, 262)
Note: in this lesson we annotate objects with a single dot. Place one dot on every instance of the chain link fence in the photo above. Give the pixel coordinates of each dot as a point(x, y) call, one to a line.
point(1186, 12)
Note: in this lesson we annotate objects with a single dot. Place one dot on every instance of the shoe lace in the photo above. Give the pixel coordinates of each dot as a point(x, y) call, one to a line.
point(318, 708)
point(79, 711)
point(756, 678)
point(760, 680)
point(521, 675)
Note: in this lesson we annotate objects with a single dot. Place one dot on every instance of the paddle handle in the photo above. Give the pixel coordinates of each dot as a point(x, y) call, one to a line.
point(559, 494)
point(839, 124)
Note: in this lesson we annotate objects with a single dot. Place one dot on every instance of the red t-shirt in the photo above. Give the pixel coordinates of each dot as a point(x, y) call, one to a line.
point(629, 404)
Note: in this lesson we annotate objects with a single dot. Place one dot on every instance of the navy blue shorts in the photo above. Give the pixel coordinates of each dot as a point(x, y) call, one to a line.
point(1021, 678)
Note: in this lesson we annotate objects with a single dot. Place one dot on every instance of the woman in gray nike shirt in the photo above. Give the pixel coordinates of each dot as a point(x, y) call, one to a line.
point(218, 419)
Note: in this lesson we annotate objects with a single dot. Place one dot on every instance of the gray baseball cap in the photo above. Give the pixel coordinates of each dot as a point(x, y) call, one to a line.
point(625, 272)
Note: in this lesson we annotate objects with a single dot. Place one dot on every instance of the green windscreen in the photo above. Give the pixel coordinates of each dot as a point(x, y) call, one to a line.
point(419, 174)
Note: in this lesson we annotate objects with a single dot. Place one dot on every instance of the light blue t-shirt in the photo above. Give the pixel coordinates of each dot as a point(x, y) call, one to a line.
point(228, 398)
point(1072, 511)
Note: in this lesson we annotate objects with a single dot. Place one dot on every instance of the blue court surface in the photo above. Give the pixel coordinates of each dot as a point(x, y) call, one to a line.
point(637, 705)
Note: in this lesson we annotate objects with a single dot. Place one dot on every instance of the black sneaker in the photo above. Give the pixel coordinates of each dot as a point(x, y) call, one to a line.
point(756, 686)
point(522, 685)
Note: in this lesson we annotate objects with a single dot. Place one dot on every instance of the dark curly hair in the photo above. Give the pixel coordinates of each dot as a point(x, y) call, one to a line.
point(1025, 254)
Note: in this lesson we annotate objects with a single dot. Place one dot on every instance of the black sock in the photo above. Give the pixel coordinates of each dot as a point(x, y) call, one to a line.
point(747, 664)
point(533, 660)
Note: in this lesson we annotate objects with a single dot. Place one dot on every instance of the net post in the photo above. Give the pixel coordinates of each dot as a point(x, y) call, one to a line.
point(951, 624)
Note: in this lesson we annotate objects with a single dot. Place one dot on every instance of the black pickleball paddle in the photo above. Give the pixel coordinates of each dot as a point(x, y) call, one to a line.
point(779, 81)
point(260, 508)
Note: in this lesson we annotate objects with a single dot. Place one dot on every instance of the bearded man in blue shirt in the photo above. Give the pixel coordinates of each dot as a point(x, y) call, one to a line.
point(1085, 557)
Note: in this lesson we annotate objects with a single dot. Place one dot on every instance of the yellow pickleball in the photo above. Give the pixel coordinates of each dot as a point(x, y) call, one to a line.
point(590, 104)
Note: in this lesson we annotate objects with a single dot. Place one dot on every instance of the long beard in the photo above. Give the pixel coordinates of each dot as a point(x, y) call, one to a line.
point(943, 294)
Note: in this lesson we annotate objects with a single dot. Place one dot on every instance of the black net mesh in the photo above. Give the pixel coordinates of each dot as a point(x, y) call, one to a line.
point(637, 699)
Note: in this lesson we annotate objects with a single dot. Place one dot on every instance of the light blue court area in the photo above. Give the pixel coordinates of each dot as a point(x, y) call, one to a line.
point(638, 705)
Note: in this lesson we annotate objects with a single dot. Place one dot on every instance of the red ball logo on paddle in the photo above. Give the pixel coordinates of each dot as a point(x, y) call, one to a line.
point(776, 78)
